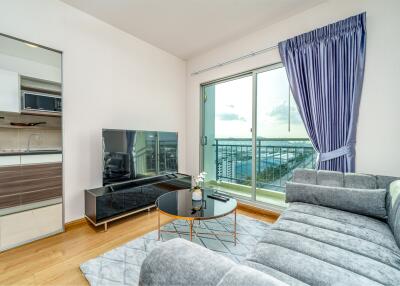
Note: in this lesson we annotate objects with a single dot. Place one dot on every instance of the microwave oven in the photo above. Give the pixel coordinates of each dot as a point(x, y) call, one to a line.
point(40, 103)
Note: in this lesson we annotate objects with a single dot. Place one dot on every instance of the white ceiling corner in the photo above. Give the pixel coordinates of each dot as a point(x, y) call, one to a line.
point(186, 28)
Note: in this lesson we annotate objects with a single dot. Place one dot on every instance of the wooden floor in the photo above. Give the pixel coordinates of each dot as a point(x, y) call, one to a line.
point(55, 260)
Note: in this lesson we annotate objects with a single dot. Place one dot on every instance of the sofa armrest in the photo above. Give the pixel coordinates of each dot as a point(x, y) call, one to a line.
point(370, 202)
point(180, 262)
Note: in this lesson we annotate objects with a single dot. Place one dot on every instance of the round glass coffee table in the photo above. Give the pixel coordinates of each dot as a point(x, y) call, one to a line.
point(179, 204)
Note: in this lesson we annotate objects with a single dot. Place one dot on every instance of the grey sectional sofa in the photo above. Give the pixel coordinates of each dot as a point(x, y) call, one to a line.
point(339, 229)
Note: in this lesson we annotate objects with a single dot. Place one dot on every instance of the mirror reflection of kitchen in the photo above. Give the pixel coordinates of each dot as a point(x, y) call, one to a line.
point(30, 142)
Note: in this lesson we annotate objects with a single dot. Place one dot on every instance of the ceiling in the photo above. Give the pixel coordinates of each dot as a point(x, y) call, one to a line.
point(187, 28)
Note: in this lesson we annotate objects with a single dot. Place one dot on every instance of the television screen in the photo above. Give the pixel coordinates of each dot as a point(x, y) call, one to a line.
point(134, 154)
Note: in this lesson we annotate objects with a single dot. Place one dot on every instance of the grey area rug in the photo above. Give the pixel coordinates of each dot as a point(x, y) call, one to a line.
point(121, 266)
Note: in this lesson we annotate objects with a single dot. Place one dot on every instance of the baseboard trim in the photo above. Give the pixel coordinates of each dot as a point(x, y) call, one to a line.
point(76, 222)
point(256, 209)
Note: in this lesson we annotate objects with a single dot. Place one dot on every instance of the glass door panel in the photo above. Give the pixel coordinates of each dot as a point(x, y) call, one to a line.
point(281, 140)
point(261, 99)
point(227, 136)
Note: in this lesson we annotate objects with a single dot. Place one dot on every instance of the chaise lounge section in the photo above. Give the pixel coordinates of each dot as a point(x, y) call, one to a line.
point(339, 229)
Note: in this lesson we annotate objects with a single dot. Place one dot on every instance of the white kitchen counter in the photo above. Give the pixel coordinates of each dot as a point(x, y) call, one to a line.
point(25, 159)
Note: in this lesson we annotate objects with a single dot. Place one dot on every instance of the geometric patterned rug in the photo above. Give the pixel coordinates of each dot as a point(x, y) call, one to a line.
point(121, 266)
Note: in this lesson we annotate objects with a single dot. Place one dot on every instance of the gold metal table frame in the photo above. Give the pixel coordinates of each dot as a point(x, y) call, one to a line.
point(191, 221)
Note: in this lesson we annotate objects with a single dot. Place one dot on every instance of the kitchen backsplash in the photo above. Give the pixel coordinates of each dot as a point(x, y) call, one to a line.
point(46, 136)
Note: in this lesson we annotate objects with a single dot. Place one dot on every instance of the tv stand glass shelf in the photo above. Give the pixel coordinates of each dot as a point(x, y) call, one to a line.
point(115, 201)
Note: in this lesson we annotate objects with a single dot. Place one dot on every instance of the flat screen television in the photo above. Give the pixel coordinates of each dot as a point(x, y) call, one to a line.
point(135, 154)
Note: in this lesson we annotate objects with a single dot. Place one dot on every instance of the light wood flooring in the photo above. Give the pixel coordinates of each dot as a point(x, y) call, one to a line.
point(55, 260)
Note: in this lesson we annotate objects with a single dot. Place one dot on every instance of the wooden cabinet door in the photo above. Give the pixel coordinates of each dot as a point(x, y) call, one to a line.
point(23, 227)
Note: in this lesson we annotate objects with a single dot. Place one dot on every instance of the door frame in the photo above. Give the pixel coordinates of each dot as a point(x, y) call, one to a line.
point(253, 73)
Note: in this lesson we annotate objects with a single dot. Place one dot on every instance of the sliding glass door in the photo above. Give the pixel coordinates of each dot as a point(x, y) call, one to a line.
point(253, 137)
point(282, 143)
point(227, 144)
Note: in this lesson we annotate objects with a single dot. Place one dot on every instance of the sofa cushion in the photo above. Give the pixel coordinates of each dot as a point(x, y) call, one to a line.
point(360, 201)
point(323, 246)
point(375, 251)
point(382, 237)
point(393, 208)
point(340, 216)
point(305, 268)
point(330, 178)
point(359, 181)
point(305, 176)
point(275, 273)
point(243, 275)
point(300, 257)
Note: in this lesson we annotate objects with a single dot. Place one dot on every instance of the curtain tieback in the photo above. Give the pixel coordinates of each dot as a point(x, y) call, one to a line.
point(347, 150)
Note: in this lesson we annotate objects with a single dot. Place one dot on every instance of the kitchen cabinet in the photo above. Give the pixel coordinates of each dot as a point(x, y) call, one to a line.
point(31, 173)
point(22, 227)
point(28, 184)
point(9, 91)
point(30, 202)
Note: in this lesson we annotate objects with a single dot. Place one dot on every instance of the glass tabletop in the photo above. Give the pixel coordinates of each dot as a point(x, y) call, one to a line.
point(180, 204)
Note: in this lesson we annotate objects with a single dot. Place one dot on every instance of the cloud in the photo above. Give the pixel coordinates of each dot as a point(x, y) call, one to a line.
point(230, 117)
point(281, 113)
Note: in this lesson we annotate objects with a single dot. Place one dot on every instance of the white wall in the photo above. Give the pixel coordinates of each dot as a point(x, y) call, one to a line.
point(111, 80)
point(114, 80)
point(30, 68)
point(378, 134)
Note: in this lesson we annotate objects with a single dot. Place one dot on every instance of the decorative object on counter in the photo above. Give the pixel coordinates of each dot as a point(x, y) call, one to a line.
point(27, 124)
point(197, 194)
point(23, 121)
point(197, 206)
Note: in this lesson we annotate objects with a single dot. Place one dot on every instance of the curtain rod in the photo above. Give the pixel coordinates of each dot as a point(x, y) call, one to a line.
point(252, 54)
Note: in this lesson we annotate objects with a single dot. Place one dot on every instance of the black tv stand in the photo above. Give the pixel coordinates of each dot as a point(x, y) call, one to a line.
point(118, 200)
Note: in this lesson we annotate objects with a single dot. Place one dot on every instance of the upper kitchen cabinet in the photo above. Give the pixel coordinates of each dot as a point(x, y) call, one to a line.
point(9, 91)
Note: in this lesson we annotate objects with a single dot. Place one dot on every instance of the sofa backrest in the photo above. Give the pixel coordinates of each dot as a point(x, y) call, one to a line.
point(338, 179)
point(358, 181)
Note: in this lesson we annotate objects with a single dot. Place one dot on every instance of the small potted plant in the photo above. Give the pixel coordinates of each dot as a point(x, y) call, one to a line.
point(198, 183)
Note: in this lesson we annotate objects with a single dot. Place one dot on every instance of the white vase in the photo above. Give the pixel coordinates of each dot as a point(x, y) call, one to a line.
point(197, 194)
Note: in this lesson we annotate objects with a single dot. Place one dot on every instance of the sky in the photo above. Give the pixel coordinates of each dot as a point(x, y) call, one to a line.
point(233, 108)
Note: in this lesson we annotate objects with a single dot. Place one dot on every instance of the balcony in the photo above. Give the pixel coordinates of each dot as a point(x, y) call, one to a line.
point(275, 161)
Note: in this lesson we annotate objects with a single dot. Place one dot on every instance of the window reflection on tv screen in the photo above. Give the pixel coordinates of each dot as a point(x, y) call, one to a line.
point(134, 154)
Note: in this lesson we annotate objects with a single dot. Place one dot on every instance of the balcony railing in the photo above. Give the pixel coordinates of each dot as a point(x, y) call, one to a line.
point(275, 161)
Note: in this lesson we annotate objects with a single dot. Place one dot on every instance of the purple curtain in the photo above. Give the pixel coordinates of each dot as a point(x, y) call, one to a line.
point(325, 68)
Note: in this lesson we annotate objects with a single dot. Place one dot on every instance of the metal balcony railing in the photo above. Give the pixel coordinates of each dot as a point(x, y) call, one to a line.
point(275, 160)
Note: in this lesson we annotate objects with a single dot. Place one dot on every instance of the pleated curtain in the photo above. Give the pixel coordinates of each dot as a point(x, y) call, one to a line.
point(325, 68)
